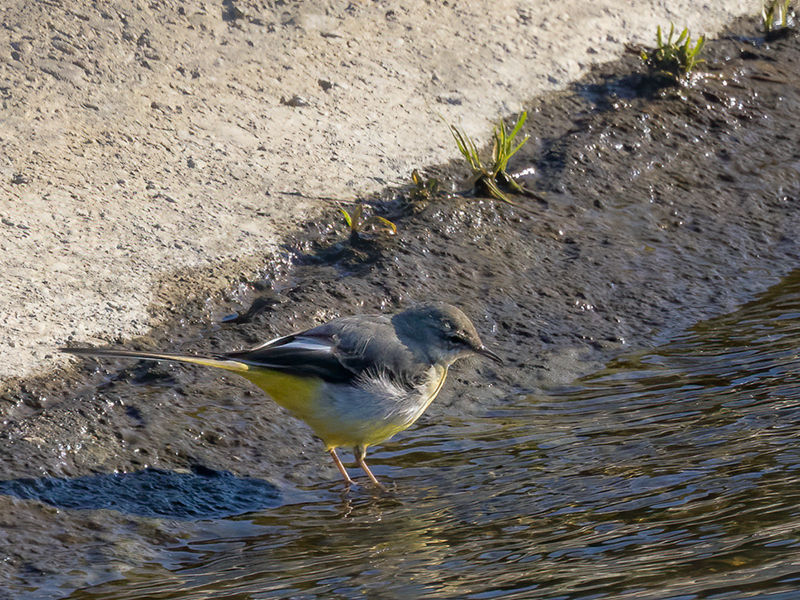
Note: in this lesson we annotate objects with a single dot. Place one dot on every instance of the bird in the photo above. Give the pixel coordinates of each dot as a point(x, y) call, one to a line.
point(356, 380)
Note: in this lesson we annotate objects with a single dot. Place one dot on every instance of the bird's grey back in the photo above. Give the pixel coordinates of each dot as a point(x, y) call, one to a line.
point(369, 345)
point(341, 351)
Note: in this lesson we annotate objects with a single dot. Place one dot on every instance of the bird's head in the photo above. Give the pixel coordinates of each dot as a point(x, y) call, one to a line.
point(440, 333)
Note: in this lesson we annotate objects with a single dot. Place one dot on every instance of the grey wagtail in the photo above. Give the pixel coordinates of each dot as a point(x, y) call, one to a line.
point(355, 380)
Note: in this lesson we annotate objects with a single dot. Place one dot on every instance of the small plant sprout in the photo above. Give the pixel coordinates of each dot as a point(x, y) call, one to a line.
point(423, 190)
point(358, 223)
point(503, 149)
point(674, 58)
point(774, 15)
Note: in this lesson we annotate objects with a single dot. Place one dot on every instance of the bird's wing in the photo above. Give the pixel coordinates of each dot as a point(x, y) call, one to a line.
point(297, 355)
point(338, 351)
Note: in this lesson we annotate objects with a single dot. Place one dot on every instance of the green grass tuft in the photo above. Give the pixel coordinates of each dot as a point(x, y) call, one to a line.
point(675, 58)
point(775, 15)
point(358, 223)
point(504, 147)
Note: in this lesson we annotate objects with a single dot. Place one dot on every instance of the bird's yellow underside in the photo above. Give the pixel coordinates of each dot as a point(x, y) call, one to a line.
point(290, 391)
point(300, 395)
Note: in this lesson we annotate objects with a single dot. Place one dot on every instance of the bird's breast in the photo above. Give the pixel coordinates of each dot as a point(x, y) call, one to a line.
point(369, 411)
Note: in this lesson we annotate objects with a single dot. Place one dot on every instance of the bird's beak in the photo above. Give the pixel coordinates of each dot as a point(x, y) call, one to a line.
point(484, 351)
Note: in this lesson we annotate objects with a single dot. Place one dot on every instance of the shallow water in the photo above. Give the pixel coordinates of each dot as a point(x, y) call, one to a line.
point(672, 473)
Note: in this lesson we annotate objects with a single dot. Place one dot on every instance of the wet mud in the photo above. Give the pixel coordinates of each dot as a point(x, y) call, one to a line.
point(662, 206)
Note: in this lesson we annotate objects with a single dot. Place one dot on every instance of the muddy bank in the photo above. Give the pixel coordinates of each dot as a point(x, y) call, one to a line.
point(146, 137)
point(661, 207)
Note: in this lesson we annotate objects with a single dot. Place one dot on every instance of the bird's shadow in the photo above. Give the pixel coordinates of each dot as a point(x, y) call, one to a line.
point(200, 494)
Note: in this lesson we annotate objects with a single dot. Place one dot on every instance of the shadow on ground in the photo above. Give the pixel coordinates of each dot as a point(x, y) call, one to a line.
point(202, 494)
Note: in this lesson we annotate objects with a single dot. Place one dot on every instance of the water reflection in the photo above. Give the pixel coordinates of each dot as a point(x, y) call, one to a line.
point(672, 473)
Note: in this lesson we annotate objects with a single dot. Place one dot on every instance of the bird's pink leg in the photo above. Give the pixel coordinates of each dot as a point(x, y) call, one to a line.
point(360, 453)
point(341, 468)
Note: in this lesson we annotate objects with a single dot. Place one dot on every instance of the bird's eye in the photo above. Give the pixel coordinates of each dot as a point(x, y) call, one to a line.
point(455, 338)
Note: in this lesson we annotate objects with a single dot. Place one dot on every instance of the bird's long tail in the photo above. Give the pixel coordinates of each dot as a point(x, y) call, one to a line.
point(207, 361)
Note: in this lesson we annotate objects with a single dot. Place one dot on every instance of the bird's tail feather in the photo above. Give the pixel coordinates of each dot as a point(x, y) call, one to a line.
point(208, 361)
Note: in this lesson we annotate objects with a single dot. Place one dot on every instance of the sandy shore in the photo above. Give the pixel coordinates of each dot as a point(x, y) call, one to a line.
point(138, 142)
